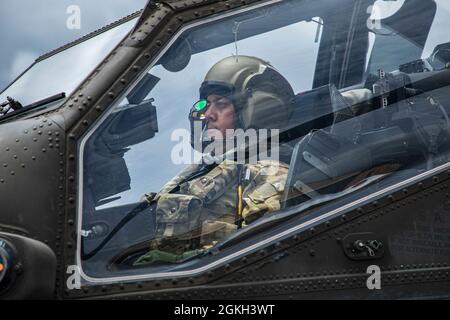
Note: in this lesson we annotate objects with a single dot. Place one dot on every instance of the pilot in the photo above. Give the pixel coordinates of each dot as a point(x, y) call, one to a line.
point(205, 203)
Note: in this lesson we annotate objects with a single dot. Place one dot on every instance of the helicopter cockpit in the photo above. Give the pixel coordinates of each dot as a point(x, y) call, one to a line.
point(368, 109)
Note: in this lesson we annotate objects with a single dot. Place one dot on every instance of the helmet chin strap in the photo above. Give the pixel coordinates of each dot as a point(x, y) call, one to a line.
point(204, 131)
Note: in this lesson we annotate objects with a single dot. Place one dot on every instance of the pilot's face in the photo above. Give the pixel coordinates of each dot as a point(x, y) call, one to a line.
point(220, 115)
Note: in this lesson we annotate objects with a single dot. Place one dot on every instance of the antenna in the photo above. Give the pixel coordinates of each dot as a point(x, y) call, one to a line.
point(237, 25)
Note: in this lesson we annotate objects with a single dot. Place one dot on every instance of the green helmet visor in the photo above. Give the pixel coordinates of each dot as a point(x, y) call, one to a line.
point(201, 105)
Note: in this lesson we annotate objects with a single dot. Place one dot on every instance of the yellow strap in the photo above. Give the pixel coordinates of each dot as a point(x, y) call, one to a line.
point(240, 207)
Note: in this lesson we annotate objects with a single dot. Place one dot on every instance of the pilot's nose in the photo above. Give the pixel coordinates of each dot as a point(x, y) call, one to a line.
point(211, 113)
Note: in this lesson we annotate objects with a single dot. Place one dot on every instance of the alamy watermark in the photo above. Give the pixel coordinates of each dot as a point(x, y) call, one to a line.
point(73, 22)
point(374, 21)
point(74, 279)
point(243, 146)
point(374, 280)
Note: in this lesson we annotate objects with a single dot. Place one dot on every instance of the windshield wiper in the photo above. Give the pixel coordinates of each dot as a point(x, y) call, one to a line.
point(12, 103)
point(17, 107)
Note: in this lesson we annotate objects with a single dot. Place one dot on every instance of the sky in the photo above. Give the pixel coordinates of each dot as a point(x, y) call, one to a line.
point(32, 28)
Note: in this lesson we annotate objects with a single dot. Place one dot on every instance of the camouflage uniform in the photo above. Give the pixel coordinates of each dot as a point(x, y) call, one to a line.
point(203, 211)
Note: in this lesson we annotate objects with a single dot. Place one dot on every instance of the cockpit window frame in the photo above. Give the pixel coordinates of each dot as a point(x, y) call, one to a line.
point(239, 253)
